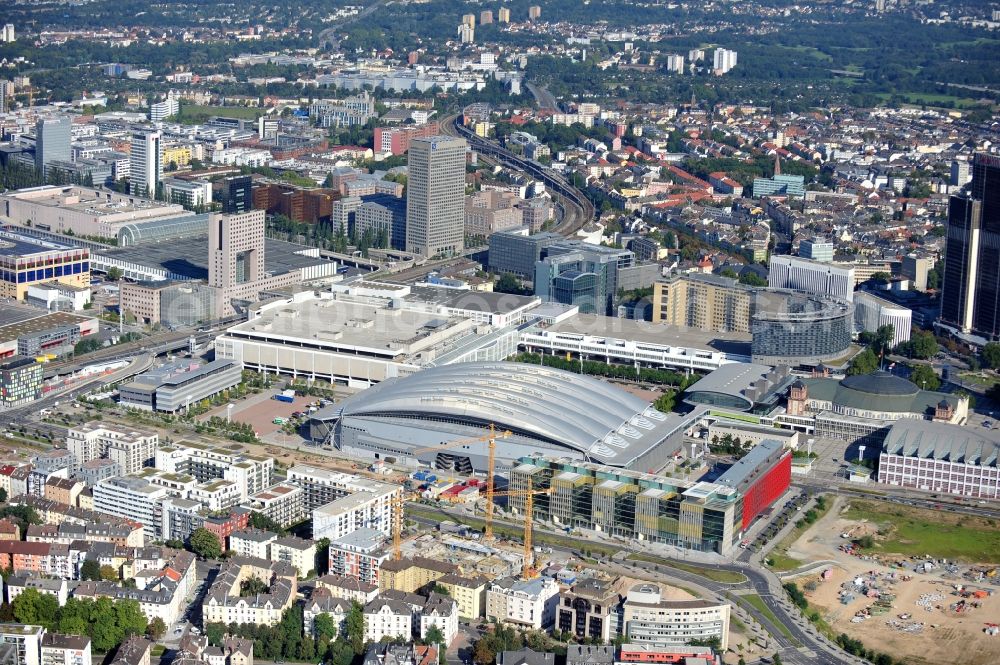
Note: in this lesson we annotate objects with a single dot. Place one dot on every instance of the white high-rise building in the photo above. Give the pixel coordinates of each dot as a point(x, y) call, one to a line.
point(435, 199)
point(7, 33)
point(792, 272)
point(160, 111)
point(145, 163)
point(724, 60)
point(675, 63)
point(133, 498)
point(871, 312)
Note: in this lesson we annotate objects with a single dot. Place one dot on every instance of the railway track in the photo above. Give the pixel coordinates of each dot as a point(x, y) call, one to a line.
point(577, 208)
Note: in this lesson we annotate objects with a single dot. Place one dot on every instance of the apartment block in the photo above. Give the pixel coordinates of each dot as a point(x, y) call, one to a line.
point(130, 448)
point(705, 302)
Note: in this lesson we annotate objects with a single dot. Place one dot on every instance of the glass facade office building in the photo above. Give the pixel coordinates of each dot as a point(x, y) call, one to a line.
point(799, 328)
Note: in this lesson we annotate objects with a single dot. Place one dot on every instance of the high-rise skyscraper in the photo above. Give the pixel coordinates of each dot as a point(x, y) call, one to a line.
point(237, 194)
point(970, 297)
point(145, 162)
point(52, 141)
point(435, 196)
point(235, 249)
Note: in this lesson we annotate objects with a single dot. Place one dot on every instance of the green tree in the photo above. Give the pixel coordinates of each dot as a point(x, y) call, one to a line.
point(3, 495)
point(322, 562)
point(32, 607)
point(354, 625)
point(206, 544)
point(259, 520)
point(90, 570)
point(114, 273)
point(156, 629)
point(509, 283)
point(925, 377)
point(215, 632)
point(324, 629)
point(750, 278)
point(434, 636)
point(882, 341)
point(991, 355)
point(865, 362)
point(109, 574)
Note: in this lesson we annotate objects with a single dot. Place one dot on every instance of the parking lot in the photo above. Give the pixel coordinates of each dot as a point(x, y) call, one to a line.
point(261, 410)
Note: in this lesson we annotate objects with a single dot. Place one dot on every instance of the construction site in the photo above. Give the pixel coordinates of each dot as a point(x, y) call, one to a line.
point(920, 608)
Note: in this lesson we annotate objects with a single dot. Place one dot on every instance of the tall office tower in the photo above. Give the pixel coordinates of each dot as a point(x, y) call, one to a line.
point(235, 249)
point(237, 194)
point(145, 162)
point(503, 15)
point(435, 198)
point(970, 298)
point(52, 141)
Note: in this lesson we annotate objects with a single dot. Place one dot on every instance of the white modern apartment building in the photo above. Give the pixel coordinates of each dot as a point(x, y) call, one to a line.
point(134, 498)
point(528, 604)
point(251, 473)
point(299, 553)
point(872, 312)
point(252, 542)
point(131, 448)
point(650, 618)
point(160, 111)
point(793, 272)
point(26, 642)
point(282, 502)
point(370, 507)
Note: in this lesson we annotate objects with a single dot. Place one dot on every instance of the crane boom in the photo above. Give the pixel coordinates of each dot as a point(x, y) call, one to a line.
point(527, 569)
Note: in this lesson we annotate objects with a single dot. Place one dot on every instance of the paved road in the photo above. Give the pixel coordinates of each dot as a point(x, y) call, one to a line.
point(326, 36)
point(543, 98)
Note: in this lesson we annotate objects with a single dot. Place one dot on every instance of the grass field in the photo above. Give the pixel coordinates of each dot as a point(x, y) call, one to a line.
point(916, 531)
point(196, 113)
point(930, 99)
point(721, 576)
point(986, 381)
point(757, 603)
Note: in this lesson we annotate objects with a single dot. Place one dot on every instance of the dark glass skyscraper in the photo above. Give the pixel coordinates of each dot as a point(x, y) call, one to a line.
point(970, 298)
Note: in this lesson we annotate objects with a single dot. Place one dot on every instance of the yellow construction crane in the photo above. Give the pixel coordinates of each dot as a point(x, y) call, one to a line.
point(491, 439)
point(528, 568)
point(397, 522)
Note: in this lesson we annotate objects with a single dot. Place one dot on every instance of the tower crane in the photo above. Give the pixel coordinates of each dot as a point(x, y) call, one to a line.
point(528, 568)
point(491, 439)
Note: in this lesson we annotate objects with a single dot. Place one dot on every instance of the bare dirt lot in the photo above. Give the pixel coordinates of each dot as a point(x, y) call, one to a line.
point(889, 590)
